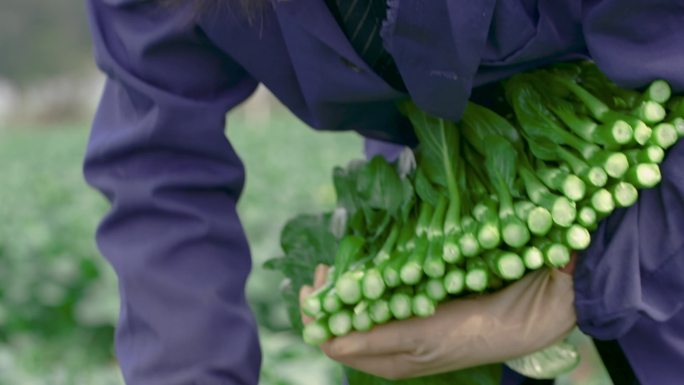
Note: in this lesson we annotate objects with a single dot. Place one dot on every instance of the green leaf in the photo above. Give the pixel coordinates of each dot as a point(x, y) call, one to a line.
point(439, 143)
point(409, 199)
point(347, 252)
point(537, 121)
point(482, 375)
point(357, 223)
point(542, 148)
point(474, 166)
point(383, 224)
point(469, 191)
point(309, 234)
point(424, 189)
point(501, 162)
point(596, 82)
point(345, 181)
point(307, 242)
point(480, 123)
point(375, 222)
point(379, 186)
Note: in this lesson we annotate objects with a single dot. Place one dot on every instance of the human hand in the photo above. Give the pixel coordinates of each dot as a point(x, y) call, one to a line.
point(320, 275)
point(526, 316)
point(570, 267)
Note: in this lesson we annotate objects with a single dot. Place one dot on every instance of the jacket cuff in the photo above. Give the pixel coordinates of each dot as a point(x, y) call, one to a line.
point(633, 267)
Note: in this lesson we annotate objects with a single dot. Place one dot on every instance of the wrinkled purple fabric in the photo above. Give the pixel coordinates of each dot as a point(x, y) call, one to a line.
point(158, 152)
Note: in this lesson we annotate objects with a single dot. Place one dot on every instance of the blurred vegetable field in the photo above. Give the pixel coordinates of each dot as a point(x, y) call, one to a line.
point(58, 296)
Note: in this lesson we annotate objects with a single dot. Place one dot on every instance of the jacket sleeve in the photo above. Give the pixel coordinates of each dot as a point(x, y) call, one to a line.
point(158, 152)
point(634, 267)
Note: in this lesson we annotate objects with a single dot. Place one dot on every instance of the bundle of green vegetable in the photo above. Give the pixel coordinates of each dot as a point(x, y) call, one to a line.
point(482, 201)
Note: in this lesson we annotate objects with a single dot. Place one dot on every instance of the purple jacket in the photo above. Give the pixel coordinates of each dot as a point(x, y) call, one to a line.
point(159, 153)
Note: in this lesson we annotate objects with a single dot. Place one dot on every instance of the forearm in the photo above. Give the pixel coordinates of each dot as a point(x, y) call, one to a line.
point(181, 257)
point(628, 284)
point(158, 152)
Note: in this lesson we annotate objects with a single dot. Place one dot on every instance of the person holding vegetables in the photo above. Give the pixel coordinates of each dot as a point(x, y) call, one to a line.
point(158, 152)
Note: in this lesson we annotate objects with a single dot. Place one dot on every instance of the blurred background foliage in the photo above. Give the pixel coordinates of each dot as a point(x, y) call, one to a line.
point(58, 296)
point(40, 39)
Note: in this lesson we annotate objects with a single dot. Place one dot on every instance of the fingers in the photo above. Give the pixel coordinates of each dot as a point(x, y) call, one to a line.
point(320, 275)
point(391, 367)
point(541, 312)
point(570, 267)
point(411, 336)
point(395, 337)
point(526, 316)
